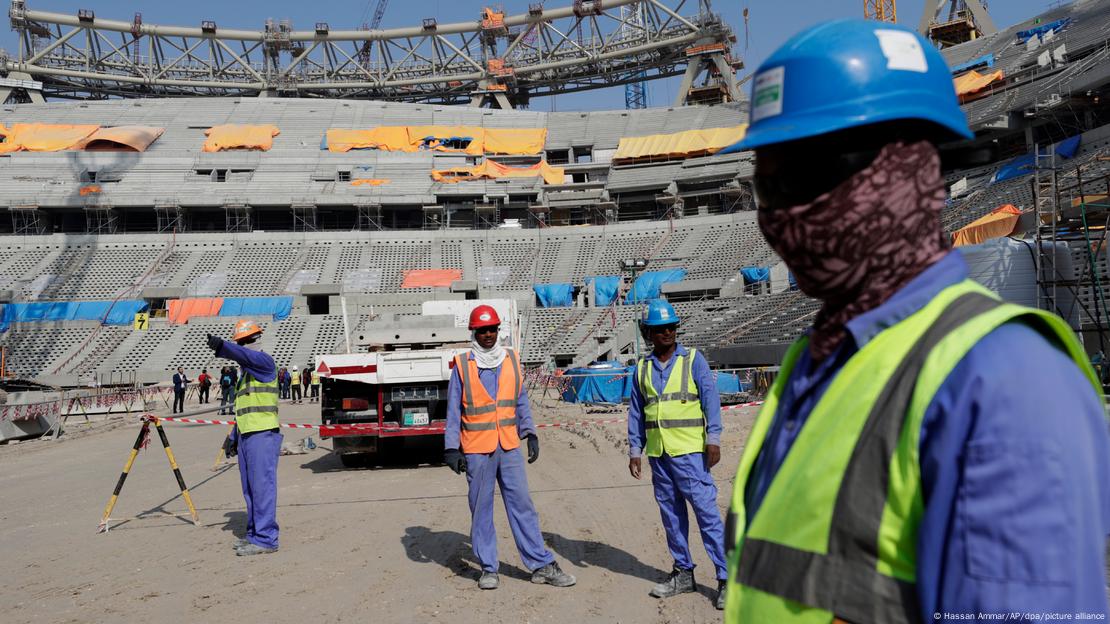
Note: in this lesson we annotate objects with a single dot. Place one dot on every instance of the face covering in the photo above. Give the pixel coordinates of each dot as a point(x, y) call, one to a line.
point(487, 358)
point(856, 245)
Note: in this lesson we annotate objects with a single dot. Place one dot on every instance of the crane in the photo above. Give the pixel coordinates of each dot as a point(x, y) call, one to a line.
point(881, 10)
point(375, 23)
point(379, 13)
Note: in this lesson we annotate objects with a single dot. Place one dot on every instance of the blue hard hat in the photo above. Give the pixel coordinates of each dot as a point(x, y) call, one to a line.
point(848, 73)
point(659, 312)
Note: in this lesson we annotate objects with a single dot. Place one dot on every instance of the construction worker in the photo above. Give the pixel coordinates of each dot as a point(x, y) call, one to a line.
point(257, 437)
point(487, 416)
point(674, 416)
point(315, 386)
point(927, 452)
point(296, 384)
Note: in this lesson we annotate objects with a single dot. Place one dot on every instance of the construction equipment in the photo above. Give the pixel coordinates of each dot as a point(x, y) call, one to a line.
point(881, 10)
point(398, 389)
point(964, 20)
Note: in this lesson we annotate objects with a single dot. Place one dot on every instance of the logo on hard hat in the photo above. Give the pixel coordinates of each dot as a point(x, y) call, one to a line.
point(664, 314)
point(484, 316)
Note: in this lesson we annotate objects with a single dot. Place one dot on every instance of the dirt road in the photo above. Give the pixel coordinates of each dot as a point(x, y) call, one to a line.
point(383, 544)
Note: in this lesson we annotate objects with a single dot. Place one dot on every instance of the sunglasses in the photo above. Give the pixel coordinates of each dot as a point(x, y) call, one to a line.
point(487, 330)
point(663, 329)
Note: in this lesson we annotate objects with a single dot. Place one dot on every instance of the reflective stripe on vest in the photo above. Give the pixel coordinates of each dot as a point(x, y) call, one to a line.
point(256, 404)
point(674, 420)
point(489, 421)
point(854, 471)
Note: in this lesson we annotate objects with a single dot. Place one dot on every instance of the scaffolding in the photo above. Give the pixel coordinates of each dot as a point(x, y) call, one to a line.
point(170, 217)
point(304, 216)
point(100, 217)
point(237, 217)
point(369, 216)
point(27, 218)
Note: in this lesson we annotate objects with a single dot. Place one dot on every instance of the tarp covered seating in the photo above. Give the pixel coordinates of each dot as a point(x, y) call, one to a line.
point(601, 382)
point(179, 311)
point(755, 275)
point(369, 182)
point(278, 308)
point(998, 223)
point(37, 137)
point(554, 295)
point(648, 283)
point(109, 312)
point(679, 144)
point(1025, 164)
point(1039, 31)
point(430, 278)
point(236, 136)
point(973, 81)
point(472, 140)
point(605, 288)
point(493, 171)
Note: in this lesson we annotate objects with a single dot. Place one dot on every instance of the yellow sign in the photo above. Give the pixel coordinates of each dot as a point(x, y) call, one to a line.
point(142, 321)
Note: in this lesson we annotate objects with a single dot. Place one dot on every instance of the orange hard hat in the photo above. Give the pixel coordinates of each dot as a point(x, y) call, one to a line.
point(483, 316)
point(245, 328)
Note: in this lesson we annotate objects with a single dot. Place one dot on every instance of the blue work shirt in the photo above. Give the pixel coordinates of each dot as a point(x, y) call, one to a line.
point(258, 363)
point(704, 379)
point(490, 378)
point(1015, 461)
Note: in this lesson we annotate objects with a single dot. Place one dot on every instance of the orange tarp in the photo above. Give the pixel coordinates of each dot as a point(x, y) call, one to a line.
point(510, 141)
point(389, 138)
point(181, 310)
point(430, 278)
point(679, 144)
point(36, 137)
point(234, 136)
point(1000, 222)
point(973, 81)
point(492, 170)
point(122, 139)
point(89, 190)
point(1097, 198)
point(369, 182)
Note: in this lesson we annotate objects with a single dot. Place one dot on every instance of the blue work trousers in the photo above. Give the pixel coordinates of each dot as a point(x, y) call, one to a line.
point(506, 469)
point(677, 480)
point(258, 459)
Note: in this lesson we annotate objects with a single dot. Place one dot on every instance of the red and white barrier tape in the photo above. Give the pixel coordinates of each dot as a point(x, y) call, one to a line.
point(376, 427)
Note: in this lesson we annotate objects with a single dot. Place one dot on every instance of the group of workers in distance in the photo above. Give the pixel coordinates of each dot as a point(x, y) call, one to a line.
point(926, 448)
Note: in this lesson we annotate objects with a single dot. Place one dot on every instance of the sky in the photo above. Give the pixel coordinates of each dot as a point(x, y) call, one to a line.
point(771, 22)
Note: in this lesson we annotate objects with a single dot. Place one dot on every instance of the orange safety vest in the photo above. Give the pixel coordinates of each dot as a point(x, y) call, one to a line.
point(486, 421)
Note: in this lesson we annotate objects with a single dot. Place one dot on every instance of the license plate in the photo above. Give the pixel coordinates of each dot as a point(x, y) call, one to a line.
point(415, 419)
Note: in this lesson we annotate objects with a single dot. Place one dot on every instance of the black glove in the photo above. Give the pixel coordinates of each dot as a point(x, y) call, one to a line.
point(455, 460)
point(231, 446)
point(533, 448)
point(215, 342)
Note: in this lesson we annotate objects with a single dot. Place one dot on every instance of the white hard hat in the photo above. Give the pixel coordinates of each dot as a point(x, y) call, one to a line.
point(294, 367)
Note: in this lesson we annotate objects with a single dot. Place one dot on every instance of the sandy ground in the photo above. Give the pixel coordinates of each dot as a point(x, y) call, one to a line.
point(384, 544)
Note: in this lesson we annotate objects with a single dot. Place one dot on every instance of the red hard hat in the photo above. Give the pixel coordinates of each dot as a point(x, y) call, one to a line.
point(483, 316)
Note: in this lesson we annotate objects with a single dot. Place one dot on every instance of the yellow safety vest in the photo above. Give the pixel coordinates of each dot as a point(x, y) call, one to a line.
point(315, 378)
point(674, 420)
point(256, 404)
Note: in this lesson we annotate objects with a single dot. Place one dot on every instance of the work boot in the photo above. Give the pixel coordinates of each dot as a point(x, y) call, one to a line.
point(239, 543)
point(253, 549)
point(720, 602)
point(679, 582)
point(552, 574)
point(489, 580)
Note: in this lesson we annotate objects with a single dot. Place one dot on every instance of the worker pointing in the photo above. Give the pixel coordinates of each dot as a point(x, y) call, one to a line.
point(926, 449)
point(257, 436)
point(487, 416)
point(674, 416)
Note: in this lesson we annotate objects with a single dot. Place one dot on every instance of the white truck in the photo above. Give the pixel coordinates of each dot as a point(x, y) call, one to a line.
point(395, 387)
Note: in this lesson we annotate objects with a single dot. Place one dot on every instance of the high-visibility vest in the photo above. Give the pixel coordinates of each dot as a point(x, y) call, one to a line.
point(256, 404)
point(674, 420)
point(836, 534)
point(315, 378)
point(296, 378)
point(488, 421)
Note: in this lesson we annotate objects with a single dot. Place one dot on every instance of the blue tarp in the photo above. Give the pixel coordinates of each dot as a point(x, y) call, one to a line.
point(1039, 31)
point(112, 313)
point(554, 295)
point(647, 285)
point(604, 382)
point(984, 61)
point(1024, 164)
point(755, 275)
point(728, 383)
point(605, 288)
point(278, 307)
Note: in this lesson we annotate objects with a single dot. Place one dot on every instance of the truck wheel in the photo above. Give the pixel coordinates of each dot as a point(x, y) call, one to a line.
point(354, 460)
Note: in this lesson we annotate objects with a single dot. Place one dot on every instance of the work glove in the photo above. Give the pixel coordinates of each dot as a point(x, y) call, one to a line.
point(215, 342)
point(455, 460)
point(231, 446)
point(533, 448)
